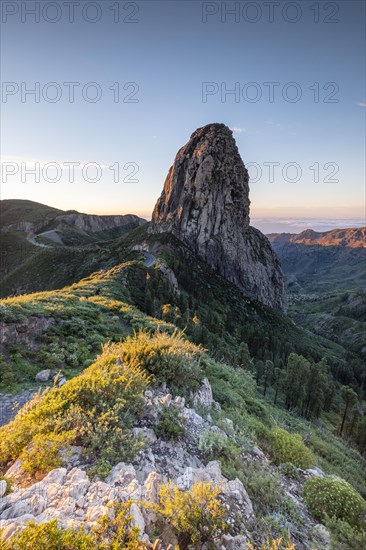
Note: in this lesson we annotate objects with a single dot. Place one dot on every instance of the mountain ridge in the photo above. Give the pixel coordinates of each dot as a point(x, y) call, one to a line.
point(354, 237)
point(34, 217)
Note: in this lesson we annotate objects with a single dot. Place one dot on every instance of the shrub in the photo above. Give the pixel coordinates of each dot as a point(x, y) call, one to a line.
point(43, 454)
point(259, 432)
point(289, 470)
point(215, 445)
point(345, 537)
point(109, 534)
point(212, 443)
point(100, 470)
point(197, 516)
point(118, 530)
point(269, 533)
point(171, 425)
point(334, 497)
point(273, 544)
point(171, 359)
point(287, 447)
point(98, 407)
point(264, 488)
point(47, 535)
point(233, 388)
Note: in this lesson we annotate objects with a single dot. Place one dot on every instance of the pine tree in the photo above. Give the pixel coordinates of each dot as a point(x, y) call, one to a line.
point(294, 380)
point(349, 398)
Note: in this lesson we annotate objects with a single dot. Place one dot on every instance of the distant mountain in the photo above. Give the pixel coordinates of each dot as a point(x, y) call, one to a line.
point(40, 220)
point(350, 238)
point(326, 282)
point(15, 211)
point(314, 262)
point(42, 248)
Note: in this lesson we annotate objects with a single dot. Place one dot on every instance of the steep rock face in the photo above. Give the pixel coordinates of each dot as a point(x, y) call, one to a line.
point(205, 203)
point(93, 223)
point(25, 332)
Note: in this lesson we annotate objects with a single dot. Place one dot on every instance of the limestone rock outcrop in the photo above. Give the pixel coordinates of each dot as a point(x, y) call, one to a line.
point(205, 203)
point(75, 499)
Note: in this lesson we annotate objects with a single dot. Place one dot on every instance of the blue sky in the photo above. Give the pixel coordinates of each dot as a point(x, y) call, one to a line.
point(169, 53)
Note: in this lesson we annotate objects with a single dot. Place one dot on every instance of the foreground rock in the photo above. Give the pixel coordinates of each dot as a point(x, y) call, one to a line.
point(205, 203)
point(71, 497)
point(75, 501)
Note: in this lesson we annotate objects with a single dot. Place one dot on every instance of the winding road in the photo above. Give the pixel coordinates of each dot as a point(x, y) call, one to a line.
point(149, 259)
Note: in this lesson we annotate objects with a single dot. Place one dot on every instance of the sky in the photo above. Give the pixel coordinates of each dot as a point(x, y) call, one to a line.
point(119, 87)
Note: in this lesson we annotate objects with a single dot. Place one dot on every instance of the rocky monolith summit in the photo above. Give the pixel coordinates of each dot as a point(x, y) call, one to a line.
point(205, 203)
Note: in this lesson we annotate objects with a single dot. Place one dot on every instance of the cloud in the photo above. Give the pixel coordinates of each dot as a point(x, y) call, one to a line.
point(238, 130)
point(296, 225)
point(272, 123)
point(360, 104)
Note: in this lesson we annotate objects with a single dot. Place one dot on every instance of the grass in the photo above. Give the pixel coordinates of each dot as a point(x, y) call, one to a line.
point(84, 316)
point(333, 454)
point(14, 211)
point(107, 315)
point(93, 408)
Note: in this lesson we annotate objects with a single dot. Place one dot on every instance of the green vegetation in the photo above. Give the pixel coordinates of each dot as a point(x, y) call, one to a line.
point(215, 445)
point(15, 211)
point(212, 443)
point(171, 425)
point(338, 315)
point(287, 447)
point(27, 268)
point(334, 497)
point(345, 537)
point(69, 327)
point(48, 535)
point(107, 397)
point(96, 408)
point(274, 544)
point(115, 533)
point(171, 359)
point(327, 297)
point(285, 390)
point(197, 516)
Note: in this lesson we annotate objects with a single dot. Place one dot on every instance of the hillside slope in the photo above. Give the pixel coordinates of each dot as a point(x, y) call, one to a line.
point(43, 248)
point(316, 262)
point(155, 408)
point(36, 218)
point(326, 281)
point(14, 211)
point(172, 290)
point(142, 413)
